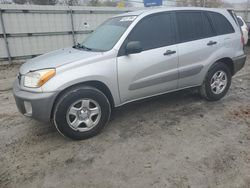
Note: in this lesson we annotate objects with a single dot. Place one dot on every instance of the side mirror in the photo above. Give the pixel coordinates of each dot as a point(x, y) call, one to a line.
point(133, 47)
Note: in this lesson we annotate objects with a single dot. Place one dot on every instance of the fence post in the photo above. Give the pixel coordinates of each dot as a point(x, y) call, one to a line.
point(72, 26)
point(5, 36)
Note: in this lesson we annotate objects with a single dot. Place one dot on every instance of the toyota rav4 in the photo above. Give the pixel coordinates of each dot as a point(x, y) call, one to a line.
point(130, 57)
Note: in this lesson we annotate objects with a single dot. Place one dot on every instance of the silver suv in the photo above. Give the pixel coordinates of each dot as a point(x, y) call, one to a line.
point(130, 57)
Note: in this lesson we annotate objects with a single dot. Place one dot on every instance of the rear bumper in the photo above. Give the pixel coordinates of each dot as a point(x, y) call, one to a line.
point(35, 105)
point(239, 63)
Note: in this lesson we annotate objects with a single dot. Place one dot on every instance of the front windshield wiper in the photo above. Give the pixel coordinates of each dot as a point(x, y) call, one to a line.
point(78, 46)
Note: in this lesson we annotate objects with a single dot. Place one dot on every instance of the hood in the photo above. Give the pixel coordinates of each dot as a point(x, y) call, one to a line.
point(56, 58)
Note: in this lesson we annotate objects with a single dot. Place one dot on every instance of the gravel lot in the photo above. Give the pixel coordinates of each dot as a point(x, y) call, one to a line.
point(175, 140)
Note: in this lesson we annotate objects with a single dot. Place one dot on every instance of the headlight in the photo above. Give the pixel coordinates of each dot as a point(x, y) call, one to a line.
point(37, 78)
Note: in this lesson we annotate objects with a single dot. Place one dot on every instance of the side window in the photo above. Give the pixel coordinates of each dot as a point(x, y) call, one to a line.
point(193, 25)
point(207, 27)
point(221, 24)
point(154, 31)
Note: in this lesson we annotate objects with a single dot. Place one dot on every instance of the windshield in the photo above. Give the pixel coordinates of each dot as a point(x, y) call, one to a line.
point(107, 34)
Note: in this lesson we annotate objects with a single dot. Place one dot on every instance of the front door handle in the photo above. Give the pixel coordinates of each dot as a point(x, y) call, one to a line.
point(169, 52)
point(211, 43)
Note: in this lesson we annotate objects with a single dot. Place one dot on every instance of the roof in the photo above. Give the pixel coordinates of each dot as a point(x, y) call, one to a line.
point(155, 10)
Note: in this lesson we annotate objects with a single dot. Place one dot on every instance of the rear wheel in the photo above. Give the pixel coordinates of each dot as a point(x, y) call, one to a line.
point(81, 112)
point(217, 82)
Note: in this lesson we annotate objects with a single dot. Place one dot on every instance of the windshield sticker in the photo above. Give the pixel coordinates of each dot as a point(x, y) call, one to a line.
point(128, 19)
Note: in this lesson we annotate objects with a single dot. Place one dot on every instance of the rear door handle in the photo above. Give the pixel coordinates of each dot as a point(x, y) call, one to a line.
point(169, 52)
point(211, 43)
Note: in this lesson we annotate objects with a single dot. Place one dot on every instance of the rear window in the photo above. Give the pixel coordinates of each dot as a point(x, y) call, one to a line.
point(193, 25)
point(240, 21)
point(221, 25)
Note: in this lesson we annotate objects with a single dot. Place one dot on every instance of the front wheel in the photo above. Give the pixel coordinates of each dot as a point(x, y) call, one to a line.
point(216, 83)
point(81, 112)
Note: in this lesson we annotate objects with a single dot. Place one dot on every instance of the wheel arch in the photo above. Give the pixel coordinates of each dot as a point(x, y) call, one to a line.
point(228, 62)
point(205, 89)
point(93, 83)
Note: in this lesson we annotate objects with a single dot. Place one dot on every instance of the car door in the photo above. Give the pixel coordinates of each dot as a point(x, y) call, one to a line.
point(197, 45)
point(155, 69)
point(226, 38)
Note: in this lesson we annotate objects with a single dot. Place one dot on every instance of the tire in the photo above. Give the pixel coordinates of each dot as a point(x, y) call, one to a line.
point(211, 89)
point(81, 112)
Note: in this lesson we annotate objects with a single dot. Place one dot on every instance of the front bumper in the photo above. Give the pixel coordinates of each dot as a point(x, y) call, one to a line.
point(239, 63)
point(35, 105)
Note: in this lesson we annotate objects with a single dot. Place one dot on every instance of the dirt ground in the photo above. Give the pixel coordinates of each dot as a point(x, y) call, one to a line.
point(176, 140)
